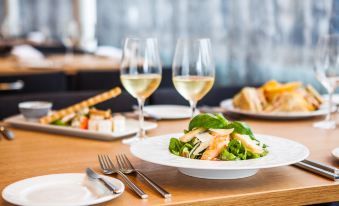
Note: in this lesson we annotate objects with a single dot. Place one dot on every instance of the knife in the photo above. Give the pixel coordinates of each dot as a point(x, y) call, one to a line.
point(322, 166)
point(93, 175)
point(317, 170)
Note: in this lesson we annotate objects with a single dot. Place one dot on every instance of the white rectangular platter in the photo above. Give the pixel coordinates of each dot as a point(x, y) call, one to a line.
point(132, 126)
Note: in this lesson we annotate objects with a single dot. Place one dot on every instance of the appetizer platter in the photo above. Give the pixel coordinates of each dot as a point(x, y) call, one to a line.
point(84, 120)
point(131, 127)
point(214, 148)
point(275, 100)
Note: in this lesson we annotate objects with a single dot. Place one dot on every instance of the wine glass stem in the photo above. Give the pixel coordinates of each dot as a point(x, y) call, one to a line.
point(69, 53)
point(329, 113)
point(193, 106)
point(141, 132)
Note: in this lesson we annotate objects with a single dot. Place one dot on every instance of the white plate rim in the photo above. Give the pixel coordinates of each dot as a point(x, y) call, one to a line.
point(82, 175)
point(19, 121)
point(306, 153)
point(335, 153)
point(228, 105)
point(335, 98)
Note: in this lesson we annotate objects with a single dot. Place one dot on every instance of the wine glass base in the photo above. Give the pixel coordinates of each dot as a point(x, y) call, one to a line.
point(325, 124)
point(132, 140)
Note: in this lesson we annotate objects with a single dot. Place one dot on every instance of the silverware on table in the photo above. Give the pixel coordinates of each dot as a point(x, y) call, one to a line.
point(126, 167)
point(8, 134)
point(12, 86)
point(317, 170)
point(322, 166)
point(93, 175)
point(108, 168)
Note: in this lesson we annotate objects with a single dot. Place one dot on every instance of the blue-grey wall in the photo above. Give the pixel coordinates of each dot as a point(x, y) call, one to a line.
point(253, 40)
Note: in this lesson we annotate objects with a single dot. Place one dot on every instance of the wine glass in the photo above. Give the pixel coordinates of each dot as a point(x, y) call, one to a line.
point(193, 69)
point(140, 74)
point(70, 37)
point(327, 72)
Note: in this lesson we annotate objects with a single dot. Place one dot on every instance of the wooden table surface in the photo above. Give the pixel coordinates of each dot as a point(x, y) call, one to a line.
point(33, 153)
point(68, 65)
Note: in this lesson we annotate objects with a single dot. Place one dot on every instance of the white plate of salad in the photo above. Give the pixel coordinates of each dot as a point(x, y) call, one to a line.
point(214, 148)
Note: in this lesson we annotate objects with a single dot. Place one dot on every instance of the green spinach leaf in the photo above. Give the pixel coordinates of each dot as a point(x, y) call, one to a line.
point(208, 120)
point(235, 147)
point(241, 128)
point(175, 146)
point(226, 155)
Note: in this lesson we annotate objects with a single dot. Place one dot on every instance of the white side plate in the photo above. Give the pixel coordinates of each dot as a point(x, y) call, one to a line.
point(281, 152)
point(335, 153)
point(132, 126)
point(56, 190)
point(168, 111)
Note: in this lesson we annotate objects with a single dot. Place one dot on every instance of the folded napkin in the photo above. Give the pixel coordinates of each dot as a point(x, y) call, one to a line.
point(26, 52)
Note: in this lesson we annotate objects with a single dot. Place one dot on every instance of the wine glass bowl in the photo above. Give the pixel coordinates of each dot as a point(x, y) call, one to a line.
point(193, 88)
point(193, 69)
point(141, 85)
point(327, 72)
point(140, 74)
point(70, 37)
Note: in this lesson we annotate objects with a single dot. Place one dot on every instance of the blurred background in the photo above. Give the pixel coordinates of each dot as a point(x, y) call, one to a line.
point(73, 47)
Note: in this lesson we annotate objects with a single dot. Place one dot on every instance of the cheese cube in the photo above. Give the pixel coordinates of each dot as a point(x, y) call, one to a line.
point(105, 125)
point(93, 125)
point(119, 123)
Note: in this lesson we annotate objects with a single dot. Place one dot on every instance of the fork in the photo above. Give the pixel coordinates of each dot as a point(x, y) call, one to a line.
point(126, 167)
point(108, 168)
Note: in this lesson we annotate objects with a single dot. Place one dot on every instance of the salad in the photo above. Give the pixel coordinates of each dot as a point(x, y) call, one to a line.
point(213, 137)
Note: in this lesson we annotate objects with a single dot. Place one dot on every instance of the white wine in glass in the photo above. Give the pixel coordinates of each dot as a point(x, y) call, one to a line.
point(327, 72)
point(140, 74)
point(193, 69)
point(193, 88)
point(141, 86)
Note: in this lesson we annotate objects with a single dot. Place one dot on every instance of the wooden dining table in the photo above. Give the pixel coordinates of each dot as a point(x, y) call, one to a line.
point(34, 153)
point(68, 64)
